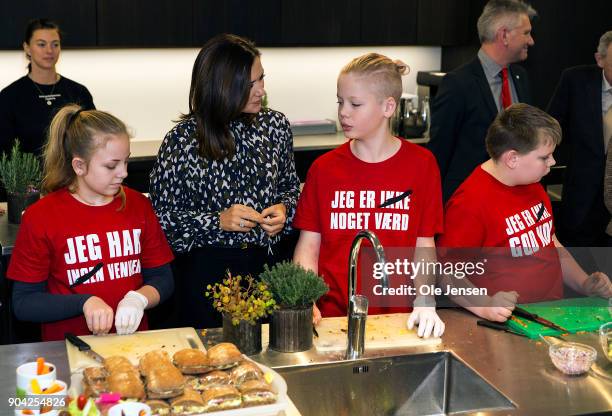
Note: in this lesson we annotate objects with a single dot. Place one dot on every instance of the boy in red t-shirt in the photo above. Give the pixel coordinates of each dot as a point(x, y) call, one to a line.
point(346, 187)
point(91, 254)
point(502, 204)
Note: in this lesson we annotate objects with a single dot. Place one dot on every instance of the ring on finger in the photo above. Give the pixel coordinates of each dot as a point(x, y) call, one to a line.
point(241, 225)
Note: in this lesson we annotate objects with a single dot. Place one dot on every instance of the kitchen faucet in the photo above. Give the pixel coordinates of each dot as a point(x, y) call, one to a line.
point(358, 304)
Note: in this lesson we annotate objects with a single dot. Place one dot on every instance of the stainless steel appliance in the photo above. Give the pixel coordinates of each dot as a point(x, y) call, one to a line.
point(410, 120)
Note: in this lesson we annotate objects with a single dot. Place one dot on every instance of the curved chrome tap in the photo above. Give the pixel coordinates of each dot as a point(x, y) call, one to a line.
point(357, 304)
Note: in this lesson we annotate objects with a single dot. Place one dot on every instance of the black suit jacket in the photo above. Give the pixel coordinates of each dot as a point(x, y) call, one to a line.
point(576, 104)
point(461, 114)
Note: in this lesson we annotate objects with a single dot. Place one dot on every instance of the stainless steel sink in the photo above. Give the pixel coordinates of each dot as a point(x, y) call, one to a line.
point(422, 384)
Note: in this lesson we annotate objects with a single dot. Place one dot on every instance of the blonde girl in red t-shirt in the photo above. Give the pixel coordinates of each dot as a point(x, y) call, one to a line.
point(90, 255)
point(368, 90)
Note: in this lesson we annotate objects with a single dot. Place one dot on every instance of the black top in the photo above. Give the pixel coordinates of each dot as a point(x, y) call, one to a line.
point(461, 113)
point(26, 114)
point(32, 302)
point(576, 104)
point(188, 192)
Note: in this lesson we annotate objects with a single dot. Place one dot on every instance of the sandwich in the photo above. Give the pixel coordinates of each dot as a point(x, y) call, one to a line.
point(94, 381)
point(221, 398)
point(153, 359)
point(127, 384)
point(191, 361)
point(159, 407)
point(224, 355)
point(92, 375)
point(164, 382)
point(246, 370)
point(201, 383)
point(189, 403)
point(256, 392)
point(95, 389)
point(118, 364)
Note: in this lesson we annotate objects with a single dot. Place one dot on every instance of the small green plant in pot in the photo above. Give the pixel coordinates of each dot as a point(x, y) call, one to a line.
point(243, 302)
point(21, 176)
point(295, 290)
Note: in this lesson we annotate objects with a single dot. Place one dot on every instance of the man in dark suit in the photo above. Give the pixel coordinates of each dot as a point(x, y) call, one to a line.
point(470, 97)
point(580, 103)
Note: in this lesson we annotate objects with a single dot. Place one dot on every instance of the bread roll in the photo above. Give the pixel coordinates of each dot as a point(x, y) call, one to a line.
point(224, 355)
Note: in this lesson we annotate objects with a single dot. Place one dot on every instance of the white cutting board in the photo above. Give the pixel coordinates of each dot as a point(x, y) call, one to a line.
point(132, 346)
point(382, 331)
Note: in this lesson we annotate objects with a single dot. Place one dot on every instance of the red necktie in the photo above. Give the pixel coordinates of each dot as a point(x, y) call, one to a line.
point(506, 98)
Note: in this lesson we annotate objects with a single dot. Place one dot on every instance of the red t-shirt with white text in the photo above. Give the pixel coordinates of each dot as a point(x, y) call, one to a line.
point(484, 212)
point(60, 239)
point(342, 195)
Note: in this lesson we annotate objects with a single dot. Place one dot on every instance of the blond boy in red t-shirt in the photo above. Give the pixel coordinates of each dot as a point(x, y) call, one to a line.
point(346, 190)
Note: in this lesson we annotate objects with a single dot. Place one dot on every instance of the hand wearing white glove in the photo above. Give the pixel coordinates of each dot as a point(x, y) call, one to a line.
point(428, 321)
point(129, 312)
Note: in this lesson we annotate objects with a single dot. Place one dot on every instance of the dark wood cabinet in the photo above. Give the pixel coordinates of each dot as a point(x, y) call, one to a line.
point(145, 23)
point(389, 22)
point(321, 22)
point(443, 22)
point(188, 23)
point(259, 21)
point(76, 18)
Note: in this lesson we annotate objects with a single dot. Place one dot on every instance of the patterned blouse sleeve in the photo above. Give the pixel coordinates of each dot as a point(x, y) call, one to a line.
point(185, 226)
point(288, 182)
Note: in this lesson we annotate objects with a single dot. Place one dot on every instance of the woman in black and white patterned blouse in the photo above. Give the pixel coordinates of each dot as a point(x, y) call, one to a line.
point(224, 183)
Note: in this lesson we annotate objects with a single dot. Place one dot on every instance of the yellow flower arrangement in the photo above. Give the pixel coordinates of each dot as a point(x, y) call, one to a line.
point(243, 299)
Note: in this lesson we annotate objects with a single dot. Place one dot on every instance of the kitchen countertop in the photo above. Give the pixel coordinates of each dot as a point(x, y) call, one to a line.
point(518, 367)
point(147, 148)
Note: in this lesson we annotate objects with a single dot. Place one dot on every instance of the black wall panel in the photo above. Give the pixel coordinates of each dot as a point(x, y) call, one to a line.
point(76, 18)
point(145, 23)
point(259, 21)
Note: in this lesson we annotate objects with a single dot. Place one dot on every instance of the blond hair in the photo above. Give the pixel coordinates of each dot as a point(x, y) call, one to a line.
point(71, 134)
point(386, 75)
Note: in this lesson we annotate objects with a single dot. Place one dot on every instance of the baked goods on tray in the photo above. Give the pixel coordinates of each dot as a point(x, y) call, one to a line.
point(188, 383)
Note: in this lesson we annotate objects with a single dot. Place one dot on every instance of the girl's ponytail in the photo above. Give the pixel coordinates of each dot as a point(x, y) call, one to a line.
point(57, 156)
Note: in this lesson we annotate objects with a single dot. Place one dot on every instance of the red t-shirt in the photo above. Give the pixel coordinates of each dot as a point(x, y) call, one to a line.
point(342, 195)
point(61, 239)
point(484, 212)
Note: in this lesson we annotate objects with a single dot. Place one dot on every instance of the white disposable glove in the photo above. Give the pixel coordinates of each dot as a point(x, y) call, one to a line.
point(129, 312)
point(428, 321)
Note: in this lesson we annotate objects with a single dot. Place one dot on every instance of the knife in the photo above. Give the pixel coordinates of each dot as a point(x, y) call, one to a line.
point(84, 347)
point(498, 326)
point(536, 318)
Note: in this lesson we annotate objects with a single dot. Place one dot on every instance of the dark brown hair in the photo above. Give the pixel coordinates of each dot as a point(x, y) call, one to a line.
point(36, 24)
point(220, 86)
point(523, 128)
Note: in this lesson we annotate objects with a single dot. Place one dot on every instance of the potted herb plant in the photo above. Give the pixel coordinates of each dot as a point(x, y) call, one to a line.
point(21, 176)
point(295, 290)
point(243, 302)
